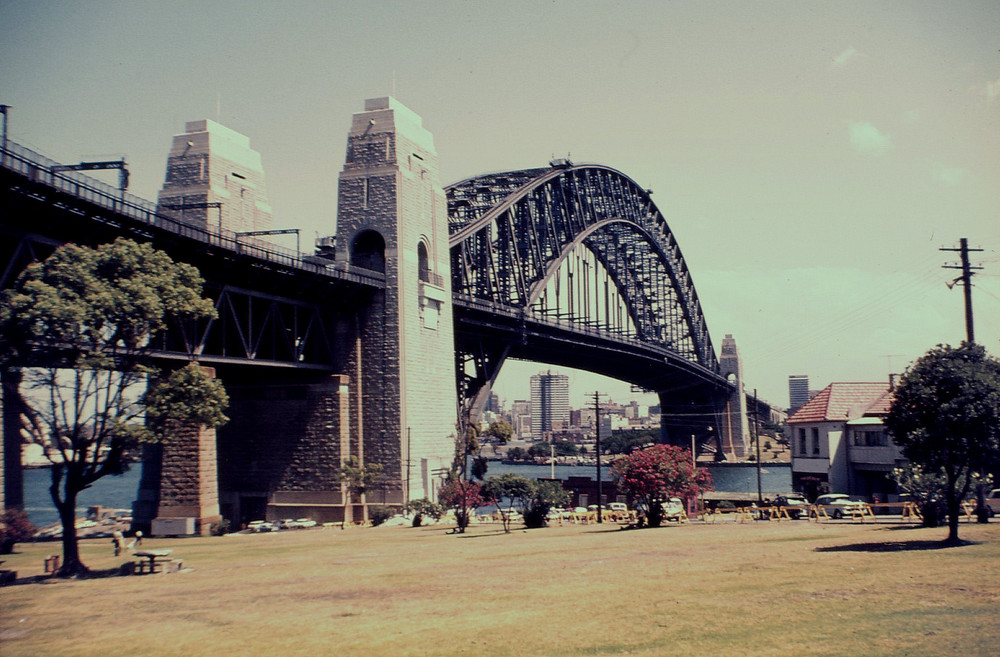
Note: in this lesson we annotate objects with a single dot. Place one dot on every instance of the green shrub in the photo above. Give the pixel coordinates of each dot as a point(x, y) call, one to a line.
point(380, 513)
point(424, 507)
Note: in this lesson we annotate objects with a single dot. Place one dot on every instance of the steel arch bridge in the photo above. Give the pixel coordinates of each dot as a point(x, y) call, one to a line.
point(573, 265)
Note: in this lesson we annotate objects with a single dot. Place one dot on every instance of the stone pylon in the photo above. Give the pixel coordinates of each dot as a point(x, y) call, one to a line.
point(393, 218)
point(180, 479)
point(215, 179)
point(734, 434)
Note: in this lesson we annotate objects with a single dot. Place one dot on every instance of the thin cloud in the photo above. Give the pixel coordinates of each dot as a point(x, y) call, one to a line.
point(866, 138)
point(844, 57)
point(993, 90)
point(949, 175)
point(912, 116)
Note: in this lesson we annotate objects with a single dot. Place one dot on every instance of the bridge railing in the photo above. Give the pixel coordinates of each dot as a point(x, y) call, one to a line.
point(38, 169)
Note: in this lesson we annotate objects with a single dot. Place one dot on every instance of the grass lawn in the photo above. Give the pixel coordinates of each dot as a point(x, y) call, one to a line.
point(766, 588)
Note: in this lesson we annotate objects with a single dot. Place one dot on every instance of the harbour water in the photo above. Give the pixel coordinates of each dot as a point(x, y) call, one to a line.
point(116, 492)
point(119, 492)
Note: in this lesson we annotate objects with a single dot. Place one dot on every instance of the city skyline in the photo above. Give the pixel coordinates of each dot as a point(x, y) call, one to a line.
point(811, 159)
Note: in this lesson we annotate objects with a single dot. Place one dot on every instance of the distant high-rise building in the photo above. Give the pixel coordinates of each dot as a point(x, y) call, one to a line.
point(549, 402)
point(520, 418)
point(798, 392)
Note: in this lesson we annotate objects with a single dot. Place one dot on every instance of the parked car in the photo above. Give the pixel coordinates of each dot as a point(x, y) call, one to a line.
point(258, 526)
point(993, 502)
point(617, 507)
point(673, 509)
point(839, 505)
point(794, 504)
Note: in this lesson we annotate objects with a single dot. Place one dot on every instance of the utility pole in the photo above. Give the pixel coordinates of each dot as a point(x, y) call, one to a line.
point(966, 279)
point(756, 439)
point(4, 110)
point(597, 448)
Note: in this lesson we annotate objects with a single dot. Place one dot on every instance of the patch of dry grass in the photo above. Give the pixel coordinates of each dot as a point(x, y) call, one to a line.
point(758, 589)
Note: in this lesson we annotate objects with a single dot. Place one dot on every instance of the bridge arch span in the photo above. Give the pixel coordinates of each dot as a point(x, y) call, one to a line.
point(513, 233)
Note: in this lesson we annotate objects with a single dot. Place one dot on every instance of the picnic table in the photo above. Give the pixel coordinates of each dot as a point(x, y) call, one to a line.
point(154, 560)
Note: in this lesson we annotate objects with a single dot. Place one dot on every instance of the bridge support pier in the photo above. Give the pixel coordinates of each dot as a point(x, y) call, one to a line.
point(11, 471)
point(735, 430)
point(180, 479)
point(281, 452)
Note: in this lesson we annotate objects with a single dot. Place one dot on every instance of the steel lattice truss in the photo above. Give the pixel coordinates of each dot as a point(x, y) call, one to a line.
point(252, 326)
point(511, 232)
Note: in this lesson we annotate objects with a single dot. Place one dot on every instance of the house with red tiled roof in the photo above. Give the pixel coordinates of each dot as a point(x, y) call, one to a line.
point(840, 444)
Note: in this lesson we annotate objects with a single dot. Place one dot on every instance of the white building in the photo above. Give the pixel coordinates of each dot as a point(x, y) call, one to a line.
point(549, 403)
point(840, 444)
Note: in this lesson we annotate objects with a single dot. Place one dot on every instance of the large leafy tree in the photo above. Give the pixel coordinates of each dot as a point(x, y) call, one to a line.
point(945, 416)
point(76, 334)
point(655, 474)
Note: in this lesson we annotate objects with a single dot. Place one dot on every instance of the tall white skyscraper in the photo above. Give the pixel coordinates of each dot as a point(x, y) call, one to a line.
point(549, 402)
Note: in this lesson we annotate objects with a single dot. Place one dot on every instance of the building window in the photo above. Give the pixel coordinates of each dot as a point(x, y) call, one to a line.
point(802, 442)
point(815, 441)
point(423, 263)
point(871, 438)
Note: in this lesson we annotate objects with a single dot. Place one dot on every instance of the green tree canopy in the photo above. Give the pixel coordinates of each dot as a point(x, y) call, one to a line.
point(77, 330)
point(945, 416)
point(544, 497)
point(508, 491)
point(499, 432)
point(623, 442)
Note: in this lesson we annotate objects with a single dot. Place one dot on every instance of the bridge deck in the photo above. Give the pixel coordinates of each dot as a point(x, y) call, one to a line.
point(32, 176)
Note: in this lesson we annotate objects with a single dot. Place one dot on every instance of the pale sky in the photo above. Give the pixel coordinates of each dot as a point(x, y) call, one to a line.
point(811, 158)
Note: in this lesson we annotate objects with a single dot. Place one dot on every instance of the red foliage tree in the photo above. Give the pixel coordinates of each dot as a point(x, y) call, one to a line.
point(14, 528)
point(655, 474)
point(462, 496)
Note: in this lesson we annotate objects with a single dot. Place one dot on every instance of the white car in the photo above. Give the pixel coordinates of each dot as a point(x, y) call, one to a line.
point(258, 526)
point(838, 505)
point(674, 509)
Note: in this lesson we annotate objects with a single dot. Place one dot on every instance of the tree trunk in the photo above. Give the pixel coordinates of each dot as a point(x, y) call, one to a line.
point(953, 511)
point(71, 564)
point(982, 514)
